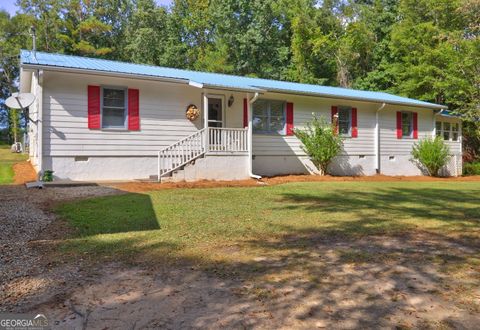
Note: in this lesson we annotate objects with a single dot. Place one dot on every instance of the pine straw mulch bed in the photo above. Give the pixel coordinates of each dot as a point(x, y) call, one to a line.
point(24, 172)
point(150, 186)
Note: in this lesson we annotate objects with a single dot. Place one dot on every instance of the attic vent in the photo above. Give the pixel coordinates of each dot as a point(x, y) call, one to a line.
point(81, 159)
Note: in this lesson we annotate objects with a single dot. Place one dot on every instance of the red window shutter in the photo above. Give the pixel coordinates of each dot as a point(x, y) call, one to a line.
point(289, 118)
point(399, 125)
point(133, 110)
point(354, 123)
point(415, 125)
point(245, 112)
point(94, 107)
point(335, 121)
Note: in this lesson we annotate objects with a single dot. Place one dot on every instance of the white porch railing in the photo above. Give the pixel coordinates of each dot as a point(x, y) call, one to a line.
point(217, 139)
point(227, 139)
point(181, 152)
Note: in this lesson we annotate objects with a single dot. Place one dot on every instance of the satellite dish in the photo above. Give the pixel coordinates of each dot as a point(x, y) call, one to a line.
point(20, 100)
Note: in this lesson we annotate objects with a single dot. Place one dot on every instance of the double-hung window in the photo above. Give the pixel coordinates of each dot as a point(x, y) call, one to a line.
point(269, 117)
point(114, 107)
point(345, 121)
point(407, 124)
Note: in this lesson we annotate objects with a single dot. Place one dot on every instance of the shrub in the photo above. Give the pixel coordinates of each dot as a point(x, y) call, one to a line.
point(433, 154)
point(320, 142)
point(471, 168)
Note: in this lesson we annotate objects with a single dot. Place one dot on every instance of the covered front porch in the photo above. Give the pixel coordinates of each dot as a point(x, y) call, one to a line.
point(215, 151)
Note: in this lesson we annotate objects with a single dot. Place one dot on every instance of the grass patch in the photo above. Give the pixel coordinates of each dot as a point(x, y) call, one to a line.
point(202, 223)
point(7, 160)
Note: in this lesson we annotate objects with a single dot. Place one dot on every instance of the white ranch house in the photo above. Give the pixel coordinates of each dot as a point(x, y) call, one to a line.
point(104, 120)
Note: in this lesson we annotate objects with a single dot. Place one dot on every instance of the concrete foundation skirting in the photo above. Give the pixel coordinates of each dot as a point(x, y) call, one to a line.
point(284, 165)
point(101, 168)
point(211, 167)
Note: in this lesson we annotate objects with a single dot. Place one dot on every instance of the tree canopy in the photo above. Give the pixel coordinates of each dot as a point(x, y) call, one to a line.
point(424, 49)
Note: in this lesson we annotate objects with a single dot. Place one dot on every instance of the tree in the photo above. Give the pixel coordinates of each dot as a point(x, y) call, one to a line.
point(13, 36)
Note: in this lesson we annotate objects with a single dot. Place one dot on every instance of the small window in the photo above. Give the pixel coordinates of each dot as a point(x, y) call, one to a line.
point(114, 107)
point(438, 128)
point(345, 121)
point(407, 124)
point(269, 117)
point(446, 131)
point(455, 129)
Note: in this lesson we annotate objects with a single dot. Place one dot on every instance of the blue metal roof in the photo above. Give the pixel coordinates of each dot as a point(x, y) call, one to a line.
point(214, 79)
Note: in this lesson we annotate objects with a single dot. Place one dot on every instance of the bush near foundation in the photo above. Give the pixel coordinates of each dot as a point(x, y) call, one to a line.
point(320, 142)
point(432, 154)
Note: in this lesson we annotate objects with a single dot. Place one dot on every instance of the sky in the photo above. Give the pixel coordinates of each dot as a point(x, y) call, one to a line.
point(9, 5)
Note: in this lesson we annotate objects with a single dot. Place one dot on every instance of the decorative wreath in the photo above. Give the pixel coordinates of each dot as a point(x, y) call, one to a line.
point(192, 112)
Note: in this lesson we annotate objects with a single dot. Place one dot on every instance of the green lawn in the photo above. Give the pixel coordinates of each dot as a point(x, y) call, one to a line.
point(377, 245)
point(7, 160)
point(201, 224)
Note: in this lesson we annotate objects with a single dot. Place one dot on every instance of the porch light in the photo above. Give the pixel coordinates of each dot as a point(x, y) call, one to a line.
point(230, 101)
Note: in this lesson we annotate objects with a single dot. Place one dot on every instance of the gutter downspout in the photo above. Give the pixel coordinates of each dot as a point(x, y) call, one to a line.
point(250, 136)
point(39, 96)
point(377, 138)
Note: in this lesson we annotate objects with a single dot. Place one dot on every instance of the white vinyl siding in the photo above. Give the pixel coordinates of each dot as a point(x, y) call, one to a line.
point(162, 116)
point(303, 108)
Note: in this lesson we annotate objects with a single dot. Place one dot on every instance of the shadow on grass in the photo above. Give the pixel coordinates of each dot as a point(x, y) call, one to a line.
point(385, 208)
point(363, 270)
point(106, 215)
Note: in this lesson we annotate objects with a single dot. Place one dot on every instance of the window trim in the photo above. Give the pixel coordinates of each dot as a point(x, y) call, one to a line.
point(284, 129)
point(410, 136)
point(450, 131)
point(125, 121)
point(349, 134)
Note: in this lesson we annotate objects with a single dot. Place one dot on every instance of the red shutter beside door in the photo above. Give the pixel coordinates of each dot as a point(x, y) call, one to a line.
point(94, 107)
point(245, 113)
point(399, 125)
point(334, 113)
point(133, 110)
point(289, 118)
point(415, 125)
point(354, 123)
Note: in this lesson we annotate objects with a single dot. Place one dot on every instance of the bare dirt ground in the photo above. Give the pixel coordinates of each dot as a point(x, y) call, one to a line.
point(379, 282)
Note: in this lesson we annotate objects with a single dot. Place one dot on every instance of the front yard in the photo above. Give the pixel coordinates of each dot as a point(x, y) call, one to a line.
point(318, 254)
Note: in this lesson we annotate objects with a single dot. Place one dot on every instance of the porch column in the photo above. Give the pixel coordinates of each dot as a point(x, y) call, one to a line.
point(205, 121)
point(250, 134)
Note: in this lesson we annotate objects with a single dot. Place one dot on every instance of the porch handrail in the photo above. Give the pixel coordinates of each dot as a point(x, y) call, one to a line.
point(181, 152)
point(210, 139)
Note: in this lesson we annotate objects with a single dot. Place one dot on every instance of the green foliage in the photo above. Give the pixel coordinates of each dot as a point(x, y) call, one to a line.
point(432, 154)
point(471, 168)
point(424, 49)
point(320, 142)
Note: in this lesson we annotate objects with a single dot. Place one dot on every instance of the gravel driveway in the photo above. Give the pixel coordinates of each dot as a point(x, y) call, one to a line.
point(23, 216)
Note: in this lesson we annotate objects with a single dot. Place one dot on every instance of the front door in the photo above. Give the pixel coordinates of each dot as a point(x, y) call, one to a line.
point(215, 112)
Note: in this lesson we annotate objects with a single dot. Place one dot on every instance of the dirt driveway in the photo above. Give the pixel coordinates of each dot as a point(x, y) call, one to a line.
point(332, 283)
